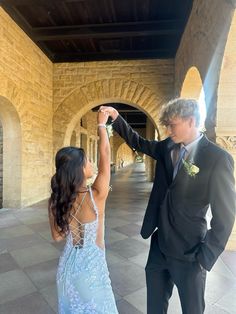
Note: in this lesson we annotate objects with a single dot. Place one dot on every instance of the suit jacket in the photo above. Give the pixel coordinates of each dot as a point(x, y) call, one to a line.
point(177, 208)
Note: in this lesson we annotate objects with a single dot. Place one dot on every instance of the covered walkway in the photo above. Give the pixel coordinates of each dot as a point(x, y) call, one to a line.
point(28, 256)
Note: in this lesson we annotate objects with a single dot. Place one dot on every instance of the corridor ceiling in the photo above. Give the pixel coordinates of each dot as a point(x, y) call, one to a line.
point(92, 30)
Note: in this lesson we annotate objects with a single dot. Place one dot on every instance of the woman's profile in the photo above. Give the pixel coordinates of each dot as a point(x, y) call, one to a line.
point(76, 213)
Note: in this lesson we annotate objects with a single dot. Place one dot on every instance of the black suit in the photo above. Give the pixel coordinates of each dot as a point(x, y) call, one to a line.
point(177, 208)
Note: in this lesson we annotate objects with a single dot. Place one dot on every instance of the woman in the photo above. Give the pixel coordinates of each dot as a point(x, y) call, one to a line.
point(76, 212)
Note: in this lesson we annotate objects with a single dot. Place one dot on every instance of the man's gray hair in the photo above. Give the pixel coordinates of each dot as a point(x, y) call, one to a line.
point(180, 108)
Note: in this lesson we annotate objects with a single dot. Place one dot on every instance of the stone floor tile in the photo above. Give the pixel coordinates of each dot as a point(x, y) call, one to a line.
point(35, 254)
point(140, 259)
point(133, 217)
point(16, 231)
point(58, 245)
point(217, 286)
point(113, 236)
point(144, 241)
point(138, 299)
point(115, 222)
point(40, 226)
point(8, 220)
point(130, 230)
point(43, 274)
point(214, 309)
point(20, 242)
point(128, 247)
point(50, 295)
point(7, 263)
point(229, 258)
point(126, 278)
point(228, 301)
point(14, 284)
point(33, 303)
point(113, 258)
point(125, 307)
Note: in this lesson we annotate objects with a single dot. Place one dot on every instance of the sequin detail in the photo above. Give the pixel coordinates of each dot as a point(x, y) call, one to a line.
point(83, 281)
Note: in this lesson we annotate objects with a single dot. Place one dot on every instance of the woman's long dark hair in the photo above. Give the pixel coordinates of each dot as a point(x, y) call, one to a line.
point(66, 184)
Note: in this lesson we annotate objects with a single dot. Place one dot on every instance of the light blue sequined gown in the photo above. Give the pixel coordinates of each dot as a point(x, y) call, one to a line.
point(83, 282)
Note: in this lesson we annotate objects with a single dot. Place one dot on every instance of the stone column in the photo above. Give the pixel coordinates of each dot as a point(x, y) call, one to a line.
point(226, 138)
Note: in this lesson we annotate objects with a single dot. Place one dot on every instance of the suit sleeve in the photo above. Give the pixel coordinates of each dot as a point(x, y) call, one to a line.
point(223, 204)
point(134, 140)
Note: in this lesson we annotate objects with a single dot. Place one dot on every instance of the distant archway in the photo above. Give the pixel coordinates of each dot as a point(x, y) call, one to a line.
point(124, 156)
point(11, 157)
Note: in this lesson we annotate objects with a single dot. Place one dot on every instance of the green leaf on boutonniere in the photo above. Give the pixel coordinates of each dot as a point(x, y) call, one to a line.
point(190, 168)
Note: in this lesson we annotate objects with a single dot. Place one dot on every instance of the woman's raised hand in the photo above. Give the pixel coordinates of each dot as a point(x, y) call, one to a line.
point(110, 111)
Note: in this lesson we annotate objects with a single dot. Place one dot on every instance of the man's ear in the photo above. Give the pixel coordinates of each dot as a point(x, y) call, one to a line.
point(192, 122)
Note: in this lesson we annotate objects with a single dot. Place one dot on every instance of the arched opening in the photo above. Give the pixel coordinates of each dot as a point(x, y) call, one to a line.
point(193, 88)
point(11, 154)
point(70, 116)
point(124, 156)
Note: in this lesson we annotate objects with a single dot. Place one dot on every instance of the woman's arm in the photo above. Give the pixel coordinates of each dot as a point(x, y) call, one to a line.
point(101, 183)
point(54, 232)
point(131, 137)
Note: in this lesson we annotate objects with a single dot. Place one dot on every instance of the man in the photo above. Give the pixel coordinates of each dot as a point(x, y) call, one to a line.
point(192, 174)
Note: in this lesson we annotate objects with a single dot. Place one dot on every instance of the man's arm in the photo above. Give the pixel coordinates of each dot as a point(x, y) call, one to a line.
point(131, 137)
point(223, 204)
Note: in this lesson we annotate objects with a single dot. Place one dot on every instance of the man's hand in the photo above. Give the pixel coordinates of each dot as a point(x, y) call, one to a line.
point(110, 111)
point(102, 117)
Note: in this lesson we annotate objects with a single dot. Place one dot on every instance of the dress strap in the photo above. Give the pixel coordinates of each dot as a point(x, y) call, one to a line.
point(78, 208)
point(93, 201)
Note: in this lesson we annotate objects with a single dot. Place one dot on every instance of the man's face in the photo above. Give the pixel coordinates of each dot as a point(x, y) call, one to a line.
point(180, 129)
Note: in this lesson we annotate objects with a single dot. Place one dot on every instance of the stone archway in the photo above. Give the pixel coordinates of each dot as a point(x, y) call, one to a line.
point(11, 157)
point(192, 87)
point(97, 93)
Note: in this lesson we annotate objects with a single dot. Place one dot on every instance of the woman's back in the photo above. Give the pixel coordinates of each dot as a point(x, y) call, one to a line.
point(83, 279)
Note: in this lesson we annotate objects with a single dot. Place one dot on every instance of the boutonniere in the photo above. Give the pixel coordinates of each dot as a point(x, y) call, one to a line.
point(190, 168)
point(109, 130)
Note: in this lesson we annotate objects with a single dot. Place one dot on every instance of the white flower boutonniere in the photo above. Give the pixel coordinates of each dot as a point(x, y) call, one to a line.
point(191, 169)
point(109, 130)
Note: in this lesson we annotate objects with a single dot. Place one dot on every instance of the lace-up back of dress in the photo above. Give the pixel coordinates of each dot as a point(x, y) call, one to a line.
point(84, 233)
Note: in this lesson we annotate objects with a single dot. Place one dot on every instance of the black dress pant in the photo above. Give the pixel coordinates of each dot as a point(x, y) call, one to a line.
point(163, 272)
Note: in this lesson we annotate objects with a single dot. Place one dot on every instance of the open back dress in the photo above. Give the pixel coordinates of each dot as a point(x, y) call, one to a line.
point(83, 282)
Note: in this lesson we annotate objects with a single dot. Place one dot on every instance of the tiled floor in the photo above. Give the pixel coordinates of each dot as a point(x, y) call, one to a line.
point(28, 256)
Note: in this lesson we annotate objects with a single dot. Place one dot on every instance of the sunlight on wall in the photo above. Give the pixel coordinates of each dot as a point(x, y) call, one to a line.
point(202, 104)
point(193, 88)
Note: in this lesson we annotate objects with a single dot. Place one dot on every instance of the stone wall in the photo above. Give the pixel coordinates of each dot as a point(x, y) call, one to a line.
point(26, 94)
point(1, 164)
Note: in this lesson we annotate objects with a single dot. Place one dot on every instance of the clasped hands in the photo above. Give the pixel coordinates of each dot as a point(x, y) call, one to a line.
point(108, 112)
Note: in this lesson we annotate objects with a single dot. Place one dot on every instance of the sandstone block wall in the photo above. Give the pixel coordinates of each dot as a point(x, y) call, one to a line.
point(26, 92)
point(1, 164)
